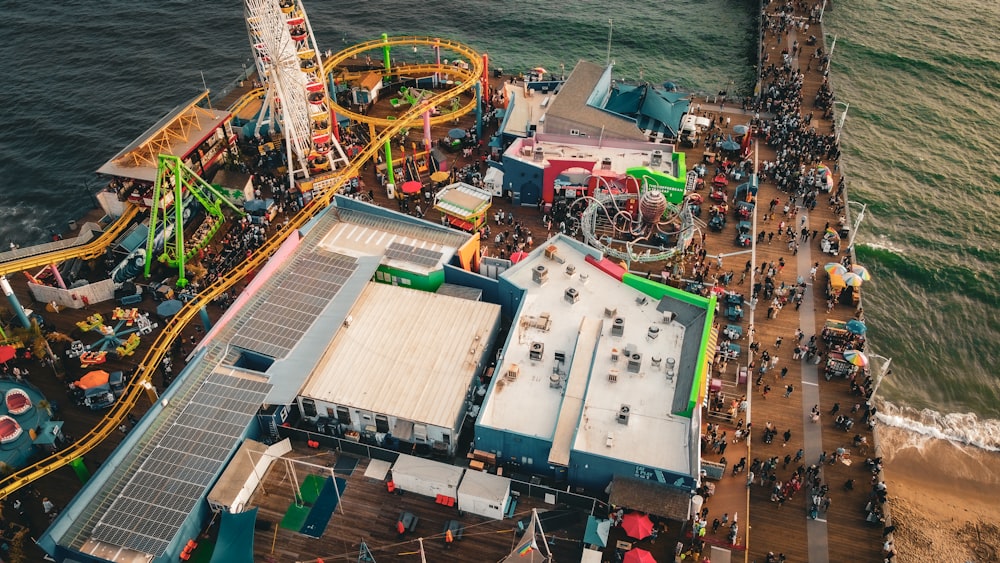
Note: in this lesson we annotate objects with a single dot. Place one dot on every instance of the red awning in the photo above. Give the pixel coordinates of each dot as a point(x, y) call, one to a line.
point(411, 187)
point(461, 224)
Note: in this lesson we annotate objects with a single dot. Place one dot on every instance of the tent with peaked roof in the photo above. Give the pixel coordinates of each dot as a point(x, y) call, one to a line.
point(532, 548)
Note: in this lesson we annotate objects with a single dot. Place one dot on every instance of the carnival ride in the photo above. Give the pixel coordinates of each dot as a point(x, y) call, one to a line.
point(174, 180)
point(296, 102)
point(141, 383)
point(131, 324)
point(637, 227)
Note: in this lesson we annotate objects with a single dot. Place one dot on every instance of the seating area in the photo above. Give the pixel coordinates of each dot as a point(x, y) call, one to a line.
point(445, 500)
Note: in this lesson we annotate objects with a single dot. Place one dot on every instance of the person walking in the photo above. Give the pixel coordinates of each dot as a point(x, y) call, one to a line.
point(788, 390)
point(787, 436)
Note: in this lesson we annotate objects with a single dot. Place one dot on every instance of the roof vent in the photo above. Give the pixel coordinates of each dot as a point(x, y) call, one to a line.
point(671, 365)
point(560, 356)
point(653, 332)
point(610, 441)
point(613, 375)
point(623, 413)
point(657, 158)
point(571, 295)
point(618, 327)
point(668, 317)
point(540, 274)
point(536, 351)
point(655, 362)
point(606, 163)
point(584, 278)
point(512, 372)
point(539, 154)
point(614, 354)
point(570, 269)
point(610, 313)
point(555, 382)
point(552, 253)
point(635, 362)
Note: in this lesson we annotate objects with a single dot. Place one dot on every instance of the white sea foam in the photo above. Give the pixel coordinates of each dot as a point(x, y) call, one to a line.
point(961, 428)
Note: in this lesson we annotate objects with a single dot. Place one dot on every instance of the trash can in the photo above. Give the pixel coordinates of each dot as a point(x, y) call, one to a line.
point(72, 225)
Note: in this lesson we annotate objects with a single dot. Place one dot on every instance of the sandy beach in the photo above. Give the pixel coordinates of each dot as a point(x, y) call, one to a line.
point(943, 498)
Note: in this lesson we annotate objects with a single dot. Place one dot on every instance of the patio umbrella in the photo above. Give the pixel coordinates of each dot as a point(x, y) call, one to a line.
point(539, 70)
point(439, 176)
point(729, 145)
point(169, 308)
point(411, 187)
point(854, 326)
point(518, 256)
point(7, 354)
point(740, 129)
point(835, 269)
point(856, 358)
point(457, 133)
point(852, 279)
point(861, 271)
point(638, 555)
point(832, 231)
point(637, 525)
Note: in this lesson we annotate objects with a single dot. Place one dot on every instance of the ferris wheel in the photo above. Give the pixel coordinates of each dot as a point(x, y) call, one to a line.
point(296, 102)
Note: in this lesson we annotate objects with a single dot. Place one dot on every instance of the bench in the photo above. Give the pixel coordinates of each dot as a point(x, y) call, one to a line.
point(511, 508)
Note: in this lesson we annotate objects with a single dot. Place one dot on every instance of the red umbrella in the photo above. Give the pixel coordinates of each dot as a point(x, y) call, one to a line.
point(638, 555)
point(411, 187)
point(637, 525)
point(7, 354)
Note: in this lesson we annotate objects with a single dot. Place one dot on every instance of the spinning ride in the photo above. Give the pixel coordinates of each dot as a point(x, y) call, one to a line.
point(637, 227)
point(296, 101)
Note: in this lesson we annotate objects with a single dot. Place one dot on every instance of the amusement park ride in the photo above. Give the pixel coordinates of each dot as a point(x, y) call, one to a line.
point(131, 323)
point(296, 101)
point(173, 181)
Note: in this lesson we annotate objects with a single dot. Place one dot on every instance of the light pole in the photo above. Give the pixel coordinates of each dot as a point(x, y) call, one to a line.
point(857, 222)
point(154, 395)
point(611, 26)
point(838, 123)
point(882, 372)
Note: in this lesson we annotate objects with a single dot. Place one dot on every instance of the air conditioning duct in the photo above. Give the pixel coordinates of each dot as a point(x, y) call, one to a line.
point(618, 327)
point(536, 351)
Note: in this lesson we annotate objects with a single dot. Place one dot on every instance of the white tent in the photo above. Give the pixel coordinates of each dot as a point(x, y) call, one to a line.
point(484, 494)
point(426, 477)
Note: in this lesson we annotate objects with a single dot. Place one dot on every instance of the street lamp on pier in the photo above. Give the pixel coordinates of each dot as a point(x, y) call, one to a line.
point(882, 372)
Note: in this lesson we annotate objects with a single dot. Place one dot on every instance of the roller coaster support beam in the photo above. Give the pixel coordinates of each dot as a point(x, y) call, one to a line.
point(386, 55)
point(390, 174)
point(14, 303)
point(205, 321)
point(437, 57)
point(58, 277)
point(479, 111)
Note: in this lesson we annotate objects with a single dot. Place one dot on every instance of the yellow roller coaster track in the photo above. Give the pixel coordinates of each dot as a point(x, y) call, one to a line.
point(92, 249)
point(135, 389)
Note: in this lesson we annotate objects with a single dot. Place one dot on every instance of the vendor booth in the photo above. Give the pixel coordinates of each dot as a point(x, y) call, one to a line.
point(838, 366)
point(466, 207)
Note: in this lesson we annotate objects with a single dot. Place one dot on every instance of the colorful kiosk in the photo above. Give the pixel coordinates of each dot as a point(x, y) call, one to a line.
point(466, 207)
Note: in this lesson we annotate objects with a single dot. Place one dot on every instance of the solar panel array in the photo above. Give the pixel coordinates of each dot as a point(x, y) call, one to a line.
point(292, 307)
point(412, 254)
point(164, 491)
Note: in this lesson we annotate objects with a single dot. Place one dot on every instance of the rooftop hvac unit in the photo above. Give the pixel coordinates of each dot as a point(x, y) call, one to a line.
point(655, 362)
point(635, 362)
point(526, 151)
point(653, 332)
point(657, 158)
point(571, 295)
point(570, 269)
point(671, 365)
point(539, 154)
point(555, 382)
point(536, 351)
point(613, 375)
point(606, 163)
point(512, 372)
point(618, 327)
point(540, 274)
point(623, 414)
point(610, 313)
point(584, 278)
point(560, 356)
point(552, 253)
point(668, 317)
point(630, 349)
point(614, 354)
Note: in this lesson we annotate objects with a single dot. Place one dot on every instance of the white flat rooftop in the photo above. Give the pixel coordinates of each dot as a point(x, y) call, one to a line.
point(573, 402)
point(524, 107)
point(621, 154)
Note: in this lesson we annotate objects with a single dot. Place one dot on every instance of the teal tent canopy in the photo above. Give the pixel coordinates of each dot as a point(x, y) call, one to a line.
point(235, 542)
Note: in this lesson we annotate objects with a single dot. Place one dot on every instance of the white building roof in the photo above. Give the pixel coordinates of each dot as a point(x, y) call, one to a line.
point(620, 154)
point(486, 486)
point(405, 353)
point(582, 413)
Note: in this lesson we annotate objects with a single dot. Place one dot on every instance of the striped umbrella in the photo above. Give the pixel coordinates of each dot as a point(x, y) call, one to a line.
point(856, 358)
point(835, 269)
point(852, 279)
point(861, 271)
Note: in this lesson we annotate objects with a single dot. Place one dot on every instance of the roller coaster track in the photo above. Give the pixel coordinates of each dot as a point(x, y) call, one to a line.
point(86, 251)
point(136, 387)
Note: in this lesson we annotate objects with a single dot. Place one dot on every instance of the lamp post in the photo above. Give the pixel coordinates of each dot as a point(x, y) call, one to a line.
point(839, 123)
point(857, 222)
point(882, 372)
point(611, 26)
point(154, 395)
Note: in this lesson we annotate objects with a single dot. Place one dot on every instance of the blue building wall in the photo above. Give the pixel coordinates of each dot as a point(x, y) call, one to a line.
point(594, 472)
point(456, 275)
point(526, 453)
point(524, 179)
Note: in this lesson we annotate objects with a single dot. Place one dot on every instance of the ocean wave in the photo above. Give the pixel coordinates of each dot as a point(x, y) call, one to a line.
point(960, 428)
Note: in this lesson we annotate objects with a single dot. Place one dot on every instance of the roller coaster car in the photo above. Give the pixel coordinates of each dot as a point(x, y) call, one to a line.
point(743, 209)
point(88, 359)
point(717, 222)
point(743, 236)
point(128, 347)
point(719, 194)
point(720, 181)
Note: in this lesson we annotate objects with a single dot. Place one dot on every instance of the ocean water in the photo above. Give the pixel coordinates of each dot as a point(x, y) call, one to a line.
point(922, 136)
